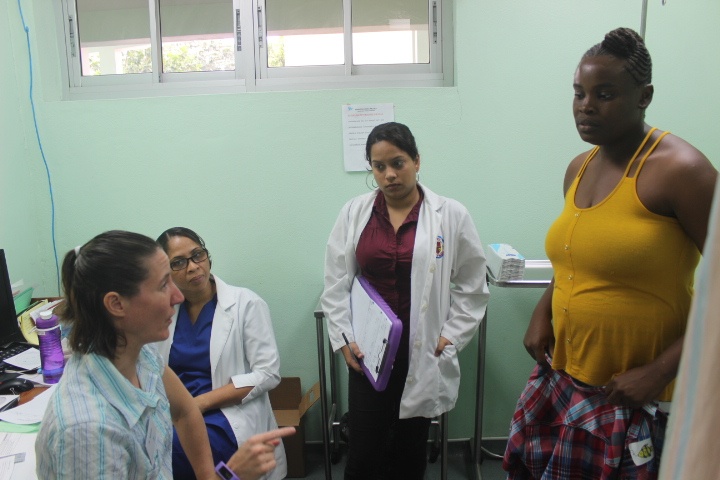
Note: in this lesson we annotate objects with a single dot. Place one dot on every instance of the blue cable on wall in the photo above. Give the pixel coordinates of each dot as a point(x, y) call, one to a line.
point(42, 152)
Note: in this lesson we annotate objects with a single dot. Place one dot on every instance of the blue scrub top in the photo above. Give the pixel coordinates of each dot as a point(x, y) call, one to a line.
point(190, 360)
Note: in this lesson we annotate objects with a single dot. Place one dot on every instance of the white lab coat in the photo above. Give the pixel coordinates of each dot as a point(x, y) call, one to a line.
point(243, 350)
point(448, 296)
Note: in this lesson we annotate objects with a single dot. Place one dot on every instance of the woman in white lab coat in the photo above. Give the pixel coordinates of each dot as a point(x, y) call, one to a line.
point(422, 253)
point(112, 416)
point(222, 347)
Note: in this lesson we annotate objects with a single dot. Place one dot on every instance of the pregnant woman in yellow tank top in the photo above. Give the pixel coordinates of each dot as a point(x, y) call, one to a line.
point(607, 334)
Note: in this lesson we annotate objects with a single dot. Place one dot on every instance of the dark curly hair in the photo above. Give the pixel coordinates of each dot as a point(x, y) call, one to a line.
point(626, 44)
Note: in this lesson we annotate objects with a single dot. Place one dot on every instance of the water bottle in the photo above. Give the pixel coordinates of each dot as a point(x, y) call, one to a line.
point(51, 354)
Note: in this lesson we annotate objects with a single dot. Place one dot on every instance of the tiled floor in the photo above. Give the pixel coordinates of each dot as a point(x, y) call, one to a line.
point(459, 465)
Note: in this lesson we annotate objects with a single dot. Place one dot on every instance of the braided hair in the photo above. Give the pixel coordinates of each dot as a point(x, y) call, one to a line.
point(626, 44)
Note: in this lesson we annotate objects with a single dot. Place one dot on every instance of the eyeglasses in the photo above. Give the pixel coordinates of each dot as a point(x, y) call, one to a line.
point(181, 263)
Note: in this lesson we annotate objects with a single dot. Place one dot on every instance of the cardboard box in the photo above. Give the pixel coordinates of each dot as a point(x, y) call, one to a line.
point(289, 406)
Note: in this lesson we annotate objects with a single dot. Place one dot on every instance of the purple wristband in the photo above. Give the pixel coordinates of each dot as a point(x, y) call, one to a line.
point(225, 473)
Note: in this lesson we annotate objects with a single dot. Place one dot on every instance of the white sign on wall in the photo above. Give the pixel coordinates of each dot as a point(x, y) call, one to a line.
point(358, 121)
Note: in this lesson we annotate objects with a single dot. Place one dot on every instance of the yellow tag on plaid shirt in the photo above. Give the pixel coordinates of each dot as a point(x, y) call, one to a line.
point(642, 451)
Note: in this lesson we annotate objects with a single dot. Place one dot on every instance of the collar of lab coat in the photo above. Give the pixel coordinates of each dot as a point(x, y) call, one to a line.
point(222, 322)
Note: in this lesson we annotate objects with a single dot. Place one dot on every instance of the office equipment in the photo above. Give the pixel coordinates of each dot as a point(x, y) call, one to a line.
point(10, 335)
point(504, 262)
point(8, 401)
point(9, 331)
point(10, 351)
point(19, 356)
point(16, 386)
point(27, 321)
point(377, 332)
point(22, 299)
point(27, 361)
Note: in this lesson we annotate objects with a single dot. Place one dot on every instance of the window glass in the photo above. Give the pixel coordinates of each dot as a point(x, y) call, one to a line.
point(390, 31)
point(302, 33)
point(286, 44)
point(197, 35)
point(114, 36)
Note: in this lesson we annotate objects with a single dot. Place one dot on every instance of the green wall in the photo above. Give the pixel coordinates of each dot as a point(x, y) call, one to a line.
point(260, 175)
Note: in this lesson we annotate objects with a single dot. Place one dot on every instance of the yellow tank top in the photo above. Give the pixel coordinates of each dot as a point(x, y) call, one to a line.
point(623, 281)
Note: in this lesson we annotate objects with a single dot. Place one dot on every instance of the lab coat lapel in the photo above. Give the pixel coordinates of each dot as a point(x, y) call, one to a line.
point(222, 323)
point(423, 253)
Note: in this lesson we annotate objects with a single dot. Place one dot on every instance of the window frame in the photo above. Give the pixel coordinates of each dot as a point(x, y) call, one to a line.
point(251, 71)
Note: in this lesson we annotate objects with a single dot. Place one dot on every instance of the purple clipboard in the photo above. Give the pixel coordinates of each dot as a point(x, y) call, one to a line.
point(378, 336)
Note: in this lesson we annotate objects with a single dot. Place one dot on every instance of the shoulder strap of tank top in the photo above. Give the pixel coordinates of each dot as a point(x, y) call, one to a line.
point(639, 149)
point(650, 150)
point(587, 160)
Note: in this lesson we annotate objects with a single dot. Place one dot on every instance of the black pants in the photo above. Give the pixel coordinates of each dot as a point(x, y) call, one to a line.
point(381, 446)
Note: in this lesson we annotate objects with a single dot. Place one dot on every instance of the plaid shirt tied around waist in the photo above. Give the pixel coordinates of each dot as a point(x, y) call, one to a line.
point(565, 430)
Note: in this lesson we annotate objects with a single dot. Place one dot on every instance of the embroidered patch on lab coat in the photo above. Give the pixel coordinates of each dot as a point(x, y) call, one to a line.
point(440, 247)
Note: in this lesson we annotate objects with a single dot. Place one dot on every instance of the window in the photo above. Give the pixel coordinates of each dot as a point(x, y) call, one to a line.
point(241, 45)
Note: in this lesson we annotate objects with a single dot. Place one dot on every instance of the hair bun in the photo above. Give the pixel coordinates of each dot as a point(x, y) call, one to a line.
point(626, 44)
point(622, 42)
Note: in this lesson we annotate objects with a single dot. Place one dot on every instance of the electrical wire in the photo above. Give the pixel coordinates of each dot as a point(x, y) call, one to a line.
point(39, 141)
point(490, 454)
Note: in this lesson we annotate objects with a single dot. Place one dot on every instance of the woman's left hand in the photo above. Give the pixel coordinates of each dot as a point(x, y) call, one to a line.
point(635, 387)
point(641, 385)
point(442, 343)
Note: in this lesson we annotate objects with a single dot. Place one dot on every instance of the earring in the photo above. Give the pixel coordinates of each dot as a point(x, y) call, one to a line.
point(417, 177)
point(372, 185)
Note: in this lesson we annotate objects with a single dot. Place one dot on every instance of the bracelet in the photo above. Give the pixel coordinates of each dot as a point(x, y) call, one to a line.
point(225, 473)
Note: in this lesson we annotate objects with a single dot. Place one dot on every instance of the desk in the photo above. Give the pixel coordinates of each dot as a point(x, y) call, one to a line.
point(534, 270)
point(25, 470)
point(30, 394)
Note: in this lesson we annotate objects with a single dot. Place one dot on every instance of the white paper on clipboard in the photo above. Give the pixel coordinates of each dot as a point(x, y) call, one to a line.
point(377, 332)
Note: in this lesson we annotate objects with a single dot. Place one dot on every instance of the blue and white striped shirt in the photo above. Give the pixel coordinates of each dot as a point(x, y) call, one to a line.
point(98, 425)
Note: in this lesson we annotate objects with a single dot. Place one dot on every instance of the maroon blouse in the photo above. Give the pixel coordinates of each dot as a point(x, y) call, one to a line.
point(385, 259)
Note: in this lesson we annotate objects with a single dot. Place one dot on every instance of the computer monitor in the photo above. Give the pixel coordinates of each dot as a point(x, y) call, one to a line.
point(9, 329)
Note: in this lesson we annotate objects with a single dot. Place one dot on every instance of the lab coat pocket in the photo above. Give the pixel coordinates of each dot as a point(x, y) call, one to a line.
point(449, 372)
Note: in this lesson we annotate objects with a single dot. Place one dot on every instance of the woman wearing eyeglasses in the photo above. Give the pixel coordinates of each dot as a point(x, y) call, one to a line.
point(222, 347)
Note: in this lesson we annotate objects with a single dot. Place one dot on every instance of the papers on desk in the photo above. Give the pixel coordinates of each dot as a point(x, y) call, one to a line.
point(27, 360)
point(17, 450)
point(504, 262)
point(8, 401)
point(30, 412)
point(17, 456)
